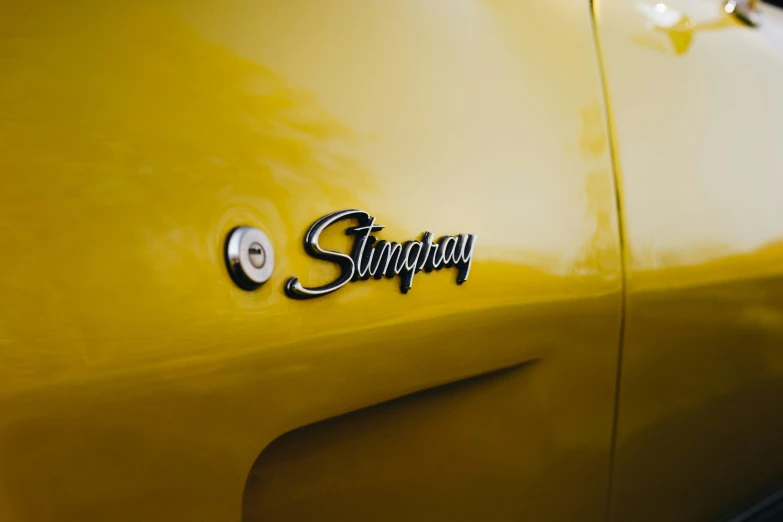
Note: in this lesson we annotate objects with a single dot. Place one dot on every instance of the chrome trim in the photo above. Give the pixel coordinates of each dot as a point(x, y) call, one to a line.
point(377, 259)
point(746, 11)
point(250, 257)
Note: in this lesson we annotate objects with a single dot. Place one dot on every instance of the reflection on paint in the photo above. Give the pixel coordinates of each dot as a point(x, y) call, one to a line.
point(678, 28)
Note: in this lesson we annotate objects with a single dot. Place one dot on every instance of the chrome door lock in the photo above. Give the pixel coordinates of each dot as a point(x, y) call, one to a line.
point(250, 257)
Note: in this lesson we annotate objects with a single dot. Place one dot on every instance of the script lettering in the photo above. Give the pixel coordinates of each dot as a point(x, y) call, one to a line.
point(371, 257)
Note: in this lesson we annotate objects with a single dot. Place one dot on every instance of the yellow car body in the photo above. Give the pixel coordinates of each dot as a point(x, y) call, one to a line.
point(615, 354)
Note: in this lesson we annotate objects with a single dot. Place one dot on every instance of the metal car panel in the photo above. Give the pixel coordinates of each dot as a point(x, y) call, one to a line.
point(139, 382)
point(698, 116)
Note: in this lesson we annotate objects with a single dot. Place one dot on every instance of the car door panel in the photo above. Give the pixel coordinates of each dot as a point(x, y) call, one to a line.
point(698, 116)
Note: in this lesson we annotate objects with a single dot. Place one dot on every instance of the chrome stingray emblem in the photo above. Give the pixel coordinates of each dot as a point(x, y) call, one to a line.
point(370, 257)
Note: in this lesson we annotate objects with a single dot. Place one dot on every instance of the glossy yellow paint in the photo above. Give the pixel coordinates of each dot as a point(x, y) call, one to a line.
point(138, 383)
point(699, 428)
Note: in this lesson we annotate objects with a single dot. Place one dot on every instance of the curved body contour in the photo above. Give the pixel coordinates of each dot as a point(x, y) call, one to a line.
point(697, 125)
point(138, 382)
